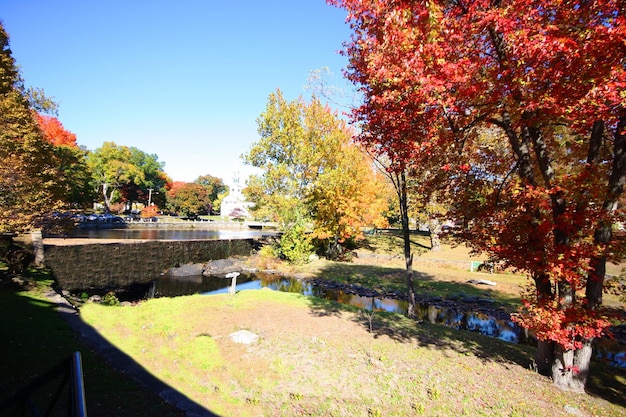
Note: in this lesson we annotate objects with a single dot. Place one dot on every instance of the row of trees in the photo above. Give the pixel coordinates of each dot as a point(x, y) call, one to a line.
point(125, 175)
point(512, 111)
point(43, 170)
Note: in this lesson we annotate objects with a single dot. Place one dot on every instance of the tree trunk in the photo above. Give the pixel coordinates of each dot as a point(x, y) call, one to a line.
point(570, 368)
point(406, 234)
point(107, 198)
point(545, 348)
point(544, 357)
point(435, 234)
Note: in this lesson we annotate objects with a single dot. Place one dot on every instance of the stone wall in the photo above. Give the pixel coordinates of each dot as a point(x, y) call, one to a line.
point(102, 265)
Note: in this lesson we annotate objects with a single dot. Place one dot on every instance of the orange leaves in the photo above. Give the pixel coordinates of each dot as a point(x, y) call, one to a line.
point(499, 104)
point(149, 211)
point(54, 132)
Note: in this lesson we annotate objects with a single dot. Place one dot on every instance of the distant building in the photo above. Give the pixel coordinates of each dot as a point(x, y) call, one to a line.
point(235, 199)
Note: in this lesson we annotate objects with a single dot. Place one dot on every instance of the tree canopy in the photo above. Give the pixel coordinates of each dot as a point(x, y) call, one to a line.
point(313, 175)
point(54, 132)
point(517, 107)
point(126, 174)
point(188, 199)
point(29, 173)
point(216, 190)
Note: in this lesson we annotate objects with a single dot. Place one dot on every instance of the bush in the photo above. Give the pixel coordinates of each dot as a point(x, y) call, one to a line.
point(111, 299)
point(295, 245)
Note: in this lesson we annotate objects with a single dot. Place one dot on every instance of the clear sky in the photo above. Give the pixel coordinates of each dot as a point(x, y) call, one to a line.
point(182, 79)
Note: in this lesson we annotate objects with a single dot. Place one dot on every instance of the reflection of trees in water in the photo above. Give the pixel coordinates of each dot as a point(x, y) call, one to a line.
point(194, 284)
point(283, 285)
point(478, 322)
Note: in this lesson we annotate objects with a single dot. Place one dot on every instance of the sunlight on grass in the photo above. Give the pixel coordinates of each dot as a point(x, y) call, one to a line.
point(320, 356)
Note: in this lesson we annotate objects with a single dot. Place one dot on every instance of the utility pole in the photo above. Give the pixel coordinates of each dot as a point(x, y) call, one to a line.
point(150, 196)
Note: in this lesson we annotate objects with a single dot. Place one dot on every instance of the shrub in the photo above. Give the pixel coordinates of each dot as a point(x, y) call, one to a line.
point(111, 299)
point(295, 245)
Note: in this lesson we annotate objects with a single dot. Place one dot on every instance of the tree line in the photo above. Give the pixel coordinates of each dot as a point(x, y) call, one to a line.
point(318, 185)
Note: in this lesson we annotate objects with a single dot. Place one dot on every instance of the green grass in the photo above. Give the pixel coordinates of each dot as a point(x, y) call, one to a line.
point(317, 357)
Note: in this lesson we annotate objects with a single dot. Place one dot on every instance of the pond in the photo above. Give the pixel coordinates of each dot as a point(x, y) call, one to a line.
point(607, 349)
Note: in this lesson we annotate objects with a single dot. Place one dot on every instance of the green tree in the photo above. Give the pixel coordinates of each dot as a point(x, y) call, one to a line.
point(74, 176)
point(314, 176)
point(152, 188)
point(215, 188)
point(127, 174)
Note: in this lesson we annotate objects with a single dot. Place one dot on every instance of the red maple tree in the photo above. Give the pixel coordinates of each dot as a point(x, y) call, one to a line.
point(54, 132)
point(520, 103)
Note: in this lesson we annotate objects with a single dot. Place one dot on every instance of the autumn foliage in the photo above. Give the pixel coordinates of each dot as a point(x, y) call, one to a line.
point(517, 111)
point(315, 178)
point(188, 199)
point(54, 132)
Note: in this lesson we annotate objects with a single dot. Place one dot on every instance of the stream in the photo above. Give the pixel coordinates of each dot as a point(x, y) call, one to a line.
point(484, 323)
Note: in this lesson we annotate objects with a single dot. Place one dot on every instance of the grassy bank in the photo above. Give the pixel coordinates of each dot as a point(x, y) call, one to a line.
point(319, 358)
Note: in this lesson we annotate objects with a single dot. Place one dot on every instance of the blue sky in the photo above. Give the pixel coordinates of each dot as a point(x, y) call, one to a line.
point(185, 80)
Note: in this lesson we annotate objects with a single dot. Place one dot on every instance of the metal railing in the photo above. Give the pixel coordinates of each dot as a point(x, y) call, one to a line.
point(70, 372)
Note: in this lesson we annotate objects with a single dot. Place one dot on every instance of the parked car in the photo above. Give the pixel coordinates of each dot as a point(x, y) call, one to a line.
point(105, 218)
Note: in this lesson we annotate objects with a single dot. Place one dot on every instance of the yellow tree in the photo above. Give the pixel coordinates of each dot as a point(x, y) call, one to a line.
point(348, 196)
point(314, 178)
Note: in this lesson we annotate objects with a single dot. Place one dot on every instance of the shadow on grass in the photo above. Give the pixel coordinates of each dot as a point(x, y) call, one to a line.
point(35, 339)
point(390, 240)
point(389, 279)
point(605, 381)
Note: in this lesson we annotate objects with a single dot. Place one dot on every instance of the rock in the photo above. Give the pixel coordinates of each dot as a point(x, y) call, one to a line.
point(186, 270)
point(244, 336)
point(222, 266)
point(481, 282)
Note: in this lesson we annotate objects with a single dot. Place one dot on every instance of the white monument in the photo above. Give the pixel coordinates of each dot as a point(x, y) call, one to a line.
point(235, 199)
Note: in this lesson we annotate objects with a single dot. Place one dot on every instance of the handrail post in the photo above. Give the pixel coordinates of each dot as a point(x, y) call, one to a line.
point(77, 387)
point(70, 371)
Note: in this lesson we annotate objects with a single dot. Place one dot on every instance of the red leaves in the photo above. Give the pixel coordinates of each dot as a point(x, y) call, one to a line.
point(568, 327)
point(474, 93)
point(54, 132)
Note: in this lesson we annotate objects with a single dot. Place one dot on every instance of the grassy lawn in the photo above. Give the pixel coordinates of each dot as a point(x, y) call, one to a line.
point(313, 357)
point(319, 358)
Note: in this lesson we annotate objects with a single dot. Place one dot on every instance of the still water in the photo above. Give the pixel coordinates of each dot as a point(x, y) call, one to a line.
point(503, 329)
point(150, 233)
point(610, 350)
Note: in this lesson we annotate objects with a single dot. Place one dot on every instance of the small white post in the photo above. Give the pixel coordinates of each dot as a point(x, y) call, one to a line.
point(233, 283)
